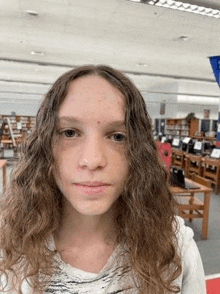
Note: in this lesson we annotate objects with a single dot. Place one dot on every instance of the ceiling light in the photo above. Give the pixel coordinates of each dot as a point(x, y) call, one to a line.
point(181, 38)
point(184, 6)
point(37, 53)
point(39, 70)
point(32, 13)
point(141, 64)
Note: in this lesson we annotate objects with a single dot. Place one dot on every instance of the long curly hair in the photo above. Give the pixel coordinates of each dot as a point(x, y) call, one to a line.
point(145, 219)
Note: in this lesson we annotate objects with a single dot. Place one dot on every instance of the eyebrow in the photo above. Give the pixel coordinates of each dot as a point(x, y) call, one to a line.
point(72, 119)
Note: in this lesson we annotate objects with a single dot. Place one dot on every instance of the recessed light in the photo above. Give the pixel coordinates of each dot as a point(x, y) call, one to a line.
point(32, 13)
point(38, 69)
point(141, 64)
point(181, 38)
point(37, 53)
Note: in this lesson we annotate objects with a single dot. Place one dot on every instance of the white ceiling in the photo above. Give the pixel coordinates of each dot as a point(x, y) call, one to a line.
point(139, 39)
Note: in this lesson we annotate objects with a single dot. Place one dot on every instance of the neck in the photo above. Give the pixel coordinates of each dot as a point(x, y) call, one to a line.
point(78, 229)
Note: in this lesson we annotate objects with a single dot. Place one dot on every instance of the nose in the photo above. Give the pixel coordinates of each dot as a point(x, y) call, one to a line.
point(93, 154)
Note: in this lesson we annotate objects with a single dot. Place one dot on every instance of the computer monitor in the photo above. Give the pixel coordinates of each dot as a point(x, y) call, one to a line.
point(170, 140)
point(207, 147)
point(215, 153)
point(163, 139)
point(198, 148)
point(177, 178)
point(191, 146)
point(176, 143)
point(185, 144)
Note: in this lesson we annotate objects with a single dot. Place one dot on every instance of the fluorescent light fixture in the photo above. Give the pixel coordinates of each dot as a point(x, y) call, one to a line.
point(198, 100)
point(183, 6)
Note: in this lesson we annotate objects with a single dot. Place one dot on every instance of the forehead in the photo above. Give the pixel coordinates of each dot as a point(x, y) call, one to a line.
point(92, 96)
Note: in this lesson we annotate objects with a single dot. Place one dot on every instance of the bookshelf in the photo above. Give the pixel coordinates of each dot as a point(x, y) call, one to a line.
point(179, 127)
point(13, 130)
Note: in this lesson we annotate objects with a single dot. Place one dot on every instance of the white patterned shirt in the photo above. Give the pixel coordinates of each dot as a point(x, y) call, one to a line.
point(114, 278)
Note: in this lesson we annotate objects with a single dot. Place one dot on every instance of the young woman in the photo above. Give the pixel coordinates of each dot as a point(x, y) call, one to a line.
point(88, 209)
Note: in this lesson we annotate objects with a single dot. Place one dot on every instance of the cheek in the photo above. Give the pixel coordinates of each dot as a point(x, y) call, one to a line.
point(58, 167)
point(61, 154)
point(123, 169)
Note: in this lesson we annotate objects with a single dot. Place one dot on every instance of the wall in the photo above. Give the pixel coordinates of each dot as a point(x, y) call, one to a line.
point(184, 109)
point(22, 98)
point(196, 97)
point(153, 101)
point(181, 97)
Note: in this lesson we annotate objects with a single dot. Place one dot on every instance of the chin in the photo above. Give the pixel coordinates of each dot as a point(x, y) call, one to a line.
point(94, 210)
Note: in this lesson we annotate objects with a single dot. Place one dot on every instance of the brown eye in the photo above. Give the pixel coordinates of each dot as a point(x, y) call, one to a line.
point(69, 133)
point(118, 137)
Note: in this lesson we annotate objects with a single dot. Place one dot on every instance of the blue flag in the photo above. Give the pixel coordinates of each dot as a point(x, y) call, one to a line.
point(215, 63)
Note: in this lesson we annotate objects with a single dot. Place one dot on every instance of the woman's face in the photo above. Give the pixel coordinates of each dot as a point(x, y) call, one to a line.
point(89, 149)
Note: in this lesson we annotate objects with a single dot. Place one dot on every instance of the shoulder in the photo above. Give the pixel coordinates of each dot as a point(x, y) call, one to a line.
point(183, 233)
point(192, 277)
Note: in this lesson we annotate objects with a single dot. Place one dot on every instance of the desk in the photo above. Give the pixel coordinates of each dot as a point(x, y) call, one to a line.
point(193, 204)
point(3, 165)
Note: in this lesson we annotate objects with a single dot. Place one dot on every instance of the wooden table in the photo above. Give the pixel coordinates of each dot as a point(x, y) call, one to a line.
point(194, 204)
point(3, 165)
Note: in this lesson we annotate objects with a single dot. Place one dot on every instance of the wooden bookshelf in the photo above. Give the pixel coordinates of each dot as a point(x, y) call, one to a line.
point(13, 130)
point(179, 127)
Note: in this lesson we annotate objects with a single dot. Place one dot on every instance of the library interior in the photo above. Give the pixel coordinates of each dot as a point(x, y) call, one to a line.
point(169, 49)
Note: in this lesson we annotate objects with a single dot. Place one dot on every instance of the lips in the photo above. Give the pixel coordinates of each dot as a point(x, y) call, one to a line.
point(92, 184)
point(92, 187)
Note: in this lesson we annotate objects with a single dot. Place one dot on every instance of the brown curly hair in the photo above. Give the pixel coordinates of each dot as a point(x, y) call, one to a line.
point(145, 219)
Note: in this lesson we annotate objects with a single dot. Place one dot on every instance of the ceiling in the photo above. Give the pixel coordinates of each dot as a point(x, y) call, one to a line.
point(144, 41)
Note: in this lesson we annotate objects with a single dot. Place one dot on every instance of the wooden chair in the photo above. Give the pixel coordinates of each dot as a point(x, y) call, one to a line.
point(190, 207)
point(178, 158)
point(193, 165)
point(212, 171)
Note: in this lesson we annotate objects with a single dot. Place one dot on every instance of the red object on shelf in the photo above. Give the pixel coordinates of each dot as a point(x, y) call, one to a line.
point(165, 152)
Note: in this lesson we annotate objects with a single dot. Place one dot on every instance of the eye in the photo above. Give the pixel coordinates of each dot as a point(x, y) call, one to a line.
point(118, 137)
point(68, 133)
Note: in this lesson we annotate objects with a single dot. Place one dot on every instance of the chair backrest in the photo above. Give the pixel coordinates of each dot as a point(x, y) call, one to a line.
point(211, 161)
point(202, 181)
point(195, 157)
point(165, 152)
point(215, 164)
